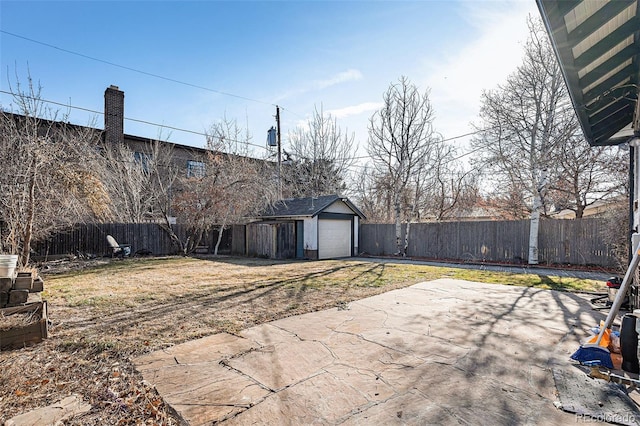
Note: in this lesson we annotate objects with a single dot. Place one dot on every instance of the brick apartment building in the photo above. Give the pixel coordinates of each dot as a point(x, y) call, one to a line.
point(189, 158)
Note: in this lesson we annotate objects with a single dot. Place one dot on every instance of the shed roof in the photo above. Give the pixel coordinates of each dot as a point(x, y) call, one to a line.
point(597, 44)
point(311, 206)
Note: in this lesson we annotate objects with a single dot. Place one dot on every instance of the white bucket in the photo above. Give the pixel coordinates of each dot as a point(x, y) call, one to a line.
point(8, 264)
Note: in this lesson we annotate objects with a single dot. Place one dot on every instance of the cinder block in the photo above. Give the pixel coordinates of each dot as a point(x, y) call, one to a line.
point(4, 299)
point(6, 284)
point(18, 297)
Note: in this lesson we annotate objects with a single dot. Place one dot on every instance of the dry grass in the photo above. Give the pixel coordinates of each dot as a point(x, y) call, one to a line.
point(107, 314)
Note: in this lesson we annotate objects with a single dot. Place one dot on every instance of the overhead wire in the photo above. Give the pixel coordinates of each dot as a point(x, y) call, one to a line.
point(164, 126)
point(186, 84)
point(177, 82)
point(173, 80)
point(475, 132)
point(150, 74)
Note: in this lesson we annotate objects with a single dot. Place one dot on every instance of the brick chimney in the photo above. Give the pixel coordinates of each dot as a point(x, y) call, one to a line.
point(113, 115)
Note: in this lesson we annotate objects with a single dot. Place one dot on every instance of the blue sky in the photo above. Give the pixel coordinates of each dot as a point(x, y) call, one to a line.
point(301, 55)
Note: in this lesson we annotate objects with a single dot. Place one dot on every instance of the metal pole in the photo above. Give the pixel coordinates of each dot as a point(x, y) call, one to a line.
point(279, 152)
point(632, 190)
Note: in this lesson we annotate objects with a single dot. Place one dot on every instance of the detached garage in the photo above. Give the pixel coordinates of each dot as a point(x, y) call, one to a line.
point(320, 227)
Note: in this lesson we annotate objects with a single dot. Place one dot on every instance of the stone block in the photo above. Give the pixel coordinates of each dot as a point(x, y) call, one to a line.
point(53, 414)
point(18, 297)
point(4, 299)
point(23, 282)
point(5, 284)
point(38, 285)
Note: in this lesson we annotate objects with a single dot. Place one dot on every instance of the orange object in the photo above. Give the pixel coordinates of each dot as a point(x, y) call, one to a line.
point(606, 337)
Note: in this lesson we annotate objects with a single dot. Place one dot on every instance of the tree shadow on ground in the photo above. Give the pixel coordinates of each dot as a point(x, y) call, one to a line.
point(206, 310)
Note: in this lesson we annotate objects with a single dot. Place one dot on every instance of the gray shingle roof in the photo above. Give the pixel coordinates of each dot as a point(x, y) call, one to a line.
point(310, 206)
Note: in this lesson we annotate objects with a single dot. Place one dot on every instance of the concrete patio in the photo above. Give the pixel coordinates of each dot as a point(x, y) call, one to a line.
point(439, 352)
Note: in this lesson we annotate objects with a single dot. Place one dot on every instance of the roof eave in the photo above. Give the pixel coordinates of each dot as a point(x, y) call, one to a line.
point(599, 129)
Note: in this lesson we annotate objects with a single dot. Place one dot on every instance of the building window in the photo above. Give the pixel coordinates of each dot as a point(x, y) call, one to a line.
point(195, 169)
point(143, 159)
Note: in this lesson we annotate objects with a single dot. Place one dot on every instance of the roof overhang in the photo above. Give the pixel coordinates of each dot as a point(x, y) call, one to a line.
point(597, 44)
point(310, 207)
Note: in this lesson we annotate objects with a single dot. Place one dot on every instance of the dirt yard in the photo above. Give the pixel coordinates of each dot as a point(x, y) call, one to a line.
point(104, 313)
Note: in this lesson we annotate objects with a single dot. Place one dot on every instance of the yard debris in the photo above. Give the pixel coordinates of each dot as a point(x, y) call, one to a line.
point(23, 325)
point(21, 289)
point(23, 315)
point(8, 322)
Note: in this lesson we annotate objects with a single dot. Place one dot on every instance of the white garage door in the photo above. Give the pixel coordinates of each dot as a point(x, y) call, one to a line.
point(334, 238)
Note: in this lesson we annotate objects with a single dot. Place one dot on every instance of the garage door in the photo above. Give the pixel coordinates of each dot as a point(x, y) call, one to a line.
point(334, 238)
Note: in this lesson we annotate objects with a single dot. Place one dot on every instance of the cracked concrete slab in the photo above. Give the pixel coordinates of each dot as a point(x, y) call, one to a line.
point(283, 364)
point(307, 403)
point(207, 349)
point(440, 352)
point(203, 393)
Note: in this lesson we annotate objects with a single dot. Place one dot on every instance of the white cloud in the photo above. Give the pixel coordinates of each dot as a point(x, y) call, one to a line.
point(493, 52)
point(342, 77)
point(355, 109)
point(339, 78)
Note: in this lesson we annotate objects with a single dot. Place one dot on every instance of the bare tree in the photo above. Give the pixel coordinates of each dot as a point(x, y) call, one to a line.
point(452, 189)
point(374, 195)
point(128, 179)
point(616, 234)
point(526, 120)
point(587, 175)
point(49, 178)
point(401, 138)
point(320, 158)
point(139, 182)
point(229, 186)
point(508, 204)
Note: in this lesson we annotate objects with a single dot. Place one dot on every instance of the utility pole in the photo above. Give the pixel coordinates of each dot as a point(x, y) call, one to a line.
point(279, 152)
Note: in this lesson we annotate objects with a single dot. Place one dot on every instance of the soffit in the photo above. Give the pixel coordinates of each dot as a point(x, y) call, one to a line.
point(597, 45)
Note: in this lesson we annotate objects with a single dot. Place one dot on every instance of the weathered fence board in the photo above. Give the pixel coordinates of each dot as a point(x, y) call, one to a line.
point(238, 240)
point(260, 240)
point(92, 239)
point(577, 242)
point(274, 240)
point(286, 244)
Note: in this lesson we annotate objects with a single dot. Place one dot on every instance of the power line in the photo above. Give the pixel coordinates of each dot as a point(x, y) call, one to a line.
point(164, 126)
point(173, 80)
point(82, 55)
point(362, 166)
point(231, 140)
point(465, 135)
point(445, 140)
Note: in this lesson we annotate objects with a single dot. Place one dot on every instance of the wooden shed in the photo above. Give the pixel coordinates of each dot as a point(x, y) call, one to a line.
point(323, 227)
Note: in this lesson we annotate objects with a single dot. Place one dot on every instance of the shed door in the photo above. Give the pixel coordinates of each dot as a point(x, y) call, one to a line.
point(334, 238)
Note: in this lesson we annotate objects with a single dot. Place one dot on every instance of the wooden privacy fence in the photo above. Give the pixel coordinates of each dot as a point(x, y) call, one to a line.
point(92, 239)
point(273, 240)
point(577, 242)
